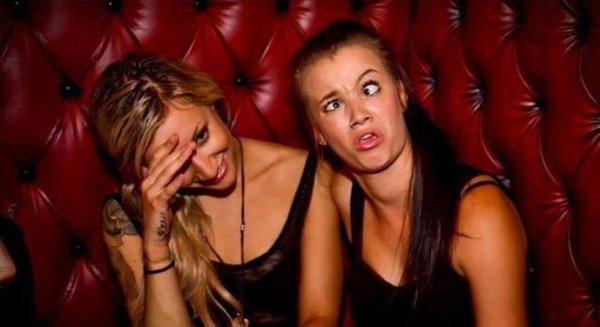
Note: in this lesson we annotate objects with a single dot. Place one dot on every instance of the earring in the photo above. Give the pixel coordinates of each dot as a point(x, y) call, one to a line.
point(322, 143)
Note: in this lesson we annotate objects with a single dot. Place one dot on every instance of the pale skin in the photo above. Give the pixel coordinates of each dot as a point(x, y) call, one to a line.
point(198, 139)
point(8, 270)
point(356, 105)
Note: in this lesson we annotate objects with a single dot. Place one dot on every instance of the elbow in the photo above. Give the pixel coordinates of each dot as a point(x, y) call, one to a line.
point(7, 273)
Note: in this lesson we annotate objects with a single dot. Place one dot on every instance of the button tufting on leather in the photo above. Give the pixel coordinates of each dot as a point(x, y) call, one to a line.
point(240, 80)
point(583, 26)
point(114, 6)
point(478, 93)
point(201, 4)
point(69, 90)
point(19, 8)
point(283, 6)
point(519, 19)
point(27, 175)
point(457, 14)
point(358, 5)
point(431, 80)
point(482, 90)
point(539, 104)
point(78, 248)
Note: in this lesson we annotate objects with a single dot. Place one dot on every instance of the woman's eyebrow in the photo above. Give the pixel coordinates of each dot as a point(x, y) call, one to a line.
point(366, 72)
point(328, 95)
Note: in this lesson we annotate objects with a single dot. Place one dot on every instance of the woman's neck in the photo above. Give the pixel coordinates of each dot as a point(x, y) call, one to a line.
point(390, 188)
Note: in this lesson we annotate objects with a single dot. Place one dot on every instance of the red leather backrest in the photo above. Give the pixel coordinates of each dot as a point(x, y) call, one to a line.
point(514, 84)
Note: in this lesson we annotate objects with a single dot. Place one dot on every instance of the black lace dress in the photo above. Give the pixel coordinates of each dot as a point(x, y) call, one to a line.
point(270, 282)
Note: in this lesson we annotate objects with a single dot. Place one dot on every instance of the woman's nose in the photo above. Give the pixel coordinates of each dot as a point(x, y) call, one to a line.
point(359, 115)
point(203, 165)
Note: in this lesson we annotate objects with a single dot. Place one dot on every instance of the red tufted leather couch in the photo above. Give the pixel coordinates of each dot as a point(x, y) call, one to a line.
point(515, 84)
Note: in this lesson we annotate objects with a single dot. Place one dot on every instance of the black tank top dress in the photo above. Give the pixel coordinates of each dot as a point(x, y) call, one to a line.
point(375, 302)
point(269, 283)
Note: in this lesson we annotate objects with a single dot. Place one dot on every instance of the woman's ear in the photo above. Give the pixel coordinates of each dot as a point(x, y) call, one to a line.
point(402, 95)
point(319, 139)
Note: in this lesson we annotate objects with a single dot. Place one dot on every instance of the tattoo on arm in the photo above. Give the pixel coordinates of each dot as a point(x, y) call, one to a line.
point(116, 224)
point(115, 221)
point(163, 229)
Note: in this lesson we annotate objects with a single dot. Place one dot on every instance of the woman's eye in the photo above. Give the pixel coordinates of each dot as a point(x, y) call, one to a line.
point(331, 105)
point(371, 88)
point(202, 135)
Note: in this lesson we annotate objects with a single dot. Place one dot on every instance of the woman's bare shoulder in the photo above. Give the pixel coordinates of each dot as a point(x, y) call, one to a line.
point(273, 154)
point(487, 221)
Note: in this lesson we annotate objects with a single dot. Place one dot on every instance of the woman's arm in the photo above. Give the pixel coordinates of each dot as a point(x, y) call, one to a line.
point(321, 258)
point(124, 246)
point(8, 270)
point(164, 302)
point(490, 251)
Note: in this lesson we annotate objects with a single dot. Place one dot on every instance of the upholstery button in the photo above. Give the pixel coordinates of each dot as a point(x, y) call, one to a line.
point(27, 175)
point(457, 12)
point(114, 6)
point(358, 5)
point(283, 6)
point(201, 4)
point(78, 249)
point(519, 20)
point(482, 90)
point(240, 80)
point(431, 81)
point(460, 14)
point(539, 104)
point(583, 25)
point(19, 8)
point(69, 89)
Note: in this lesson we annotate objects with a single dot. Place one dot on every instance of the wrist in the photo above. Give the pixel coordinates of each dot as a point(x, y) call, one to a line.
point(159, 269)
point(156, 254)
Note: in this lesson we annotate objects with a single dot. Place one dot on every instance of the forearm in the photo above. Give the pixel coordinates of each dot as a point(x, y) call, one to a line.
point(165, 305)
point(164, 301)
point(321, 259)
point(7, 266)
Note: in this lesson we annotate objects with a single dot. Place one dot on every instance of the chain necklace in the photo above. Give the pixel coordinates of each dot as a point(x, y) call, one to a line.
point(240, 319)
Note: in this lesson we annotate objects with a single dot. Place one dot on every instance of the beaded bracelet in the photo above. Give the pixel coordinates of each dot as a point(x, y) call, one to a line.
point(159, 270)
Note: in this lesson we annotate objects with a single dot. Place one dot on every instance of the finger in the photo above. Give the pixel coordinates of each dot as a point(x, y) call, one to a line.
point(203, 168)
point(166, 161)
point(169, 171)
point(149, 183)
point(172, 188)
point(163, 150)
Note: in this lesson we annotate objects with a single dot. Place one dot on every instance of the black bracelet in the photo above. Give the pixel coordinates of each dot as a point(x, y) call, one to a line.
point(159, 270)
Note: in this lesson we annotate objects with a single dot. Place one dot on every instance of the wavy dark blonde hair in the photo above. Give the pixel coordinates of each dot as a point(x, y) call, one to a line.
point(128, 105)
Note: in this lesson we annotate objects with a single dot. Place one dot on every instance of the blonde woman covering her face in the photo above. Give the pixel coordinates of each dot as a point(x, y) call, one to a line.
point(210, 229)
point(431, 242)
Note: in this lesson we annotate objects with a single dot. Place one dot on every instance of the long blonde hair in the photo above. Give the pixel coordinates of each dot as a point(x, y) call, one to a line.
point(128, 105)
